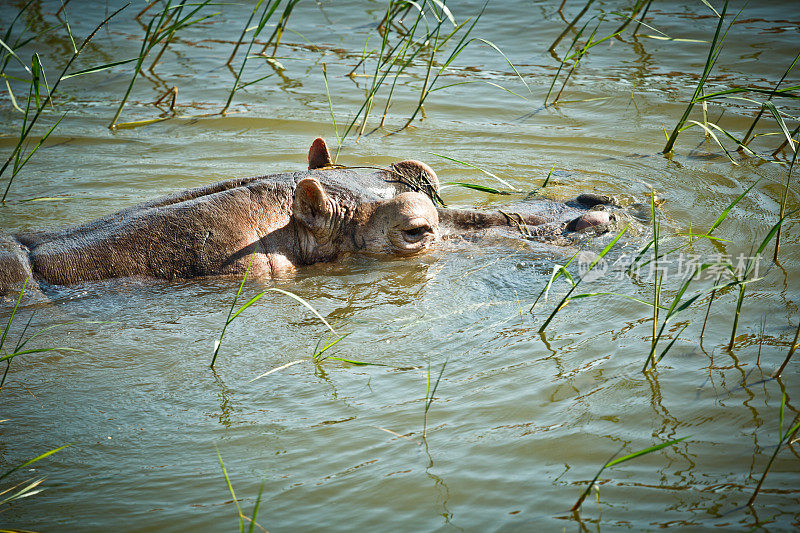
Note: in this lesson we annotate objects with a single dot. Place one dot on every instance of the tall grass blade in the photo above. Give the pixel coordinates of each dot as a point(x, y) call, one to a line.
point(752, 127)
point(13, 313)
point(276, 369)
point(558, 271)
point(24, 492)
point(752, 261)
point(563, 62)
point(713, 51)
point(266, 15)
point(549, 174)
point(232, 315)
point(430, 394)
point(491, 175)
point(510, 64)
point(475, 187)
point(571, 25)
point(255, 509)
point(784, 197)
point(233, 494)
point(28, 125)
point(782, 438)
point(230, 311)
point(619, 460)
point(31, 461)
point(566, 297)
point(330, 106)
point(792, 349)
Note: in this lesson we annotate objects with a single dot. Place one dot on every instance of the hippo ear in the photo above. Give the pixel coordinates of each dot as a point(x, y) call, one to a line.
point(311, 205)
point(416, 176)
point(318, 154)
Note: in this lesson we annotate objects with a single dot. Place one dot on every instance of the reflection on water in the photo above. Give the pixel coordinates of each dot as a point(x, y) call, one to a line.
point(521, 420)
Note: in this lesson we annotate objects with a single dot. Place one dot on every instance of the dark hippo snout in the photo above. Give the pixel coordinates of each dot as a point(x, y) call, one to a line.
point(589, 220)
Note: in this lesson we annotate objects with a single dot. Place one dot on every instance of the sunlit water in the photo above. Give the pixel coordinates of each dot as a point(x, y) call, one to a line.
point(520, 422)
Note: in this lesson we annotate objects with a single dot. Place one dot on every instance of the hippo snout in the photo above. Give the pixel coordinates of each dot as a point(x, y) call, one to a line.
point(589, 220)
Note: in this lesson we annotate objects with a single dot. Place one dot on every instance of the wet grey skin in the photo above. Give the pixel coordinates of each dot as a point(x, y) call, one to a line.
point(279, 222)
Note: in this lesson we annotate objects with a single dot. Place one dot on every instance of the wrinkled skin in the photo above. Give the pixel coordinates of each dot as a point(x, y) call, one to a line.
point(280, 221)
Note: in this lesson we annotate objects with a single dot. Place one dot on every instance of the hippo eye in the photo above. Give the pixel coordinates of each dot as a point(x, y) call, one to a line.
point(416, 233)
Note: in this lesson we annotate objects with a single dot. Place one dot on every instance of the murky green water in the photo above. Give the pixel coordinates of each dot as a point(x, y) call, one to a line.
point(520, 422)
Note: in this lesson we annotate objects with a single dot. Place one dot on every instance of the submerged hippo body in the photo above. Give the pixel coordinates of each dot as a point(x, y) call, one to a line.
point(279, 222)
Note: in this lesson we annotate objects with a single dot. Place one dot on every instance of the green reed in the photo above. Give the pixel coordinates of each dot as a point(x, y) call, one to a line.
point(240, 514)
point(655, 216)
point(708, 306)
point(746, 138)
point(785, 142)
point(782, 439)
point(711, 129)
point(161, 29)
point(19, 348)
point(490, 174)
point(423, 39)
point(713, 53)
point(576, 58)
point(677, 306)
point(264, 17)
point(233, 315)
point(613, 462)
point(275, 38)
point(582, 50)
point(27, 488)
point(549, 175)
point(430, 394)
point(792, 349)
point(317, 355)
point(637, 7)
point(571, 24)
point(398, 57)
point(40, 95)
point(784, 197)
point(691, 237)
point(743, 281)
point(561, 270)
point(333, 115)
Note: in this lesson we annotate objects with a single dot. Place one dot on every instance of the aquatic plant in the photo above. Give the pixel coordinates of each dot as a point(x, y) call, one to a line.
point(161, 29)
point(27, 488)
point(473, 186)
point(783, 438)
point(784, 198)
point(576, 58)
point(792, 348)
point(561, 270)
point(713, 53)
point(421, 39)
point(264, 17)
point(40, 94)
point(430, 393)
point(241, 516)
point(19, 348)
point(699, 96)
point(232, 315)
point(677, 306)
point(619, 460)
point(743, 281)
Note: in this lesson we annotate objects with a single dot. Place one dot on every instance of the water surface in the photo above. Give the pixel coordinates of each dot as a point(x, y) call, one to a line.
point(520, 421)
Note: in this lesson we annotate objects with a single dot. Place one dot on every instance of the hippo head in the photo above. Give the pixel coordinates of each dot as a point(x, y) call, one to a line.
point(332, 222)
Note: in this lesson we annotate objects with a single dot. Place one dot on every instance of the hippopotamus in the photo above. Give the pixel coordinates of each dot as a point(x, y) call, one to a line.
point(270, 224)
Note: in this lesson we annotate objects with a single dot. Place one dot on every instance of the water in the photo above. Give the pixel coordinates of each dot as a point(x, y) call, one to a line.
point(520, 422)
